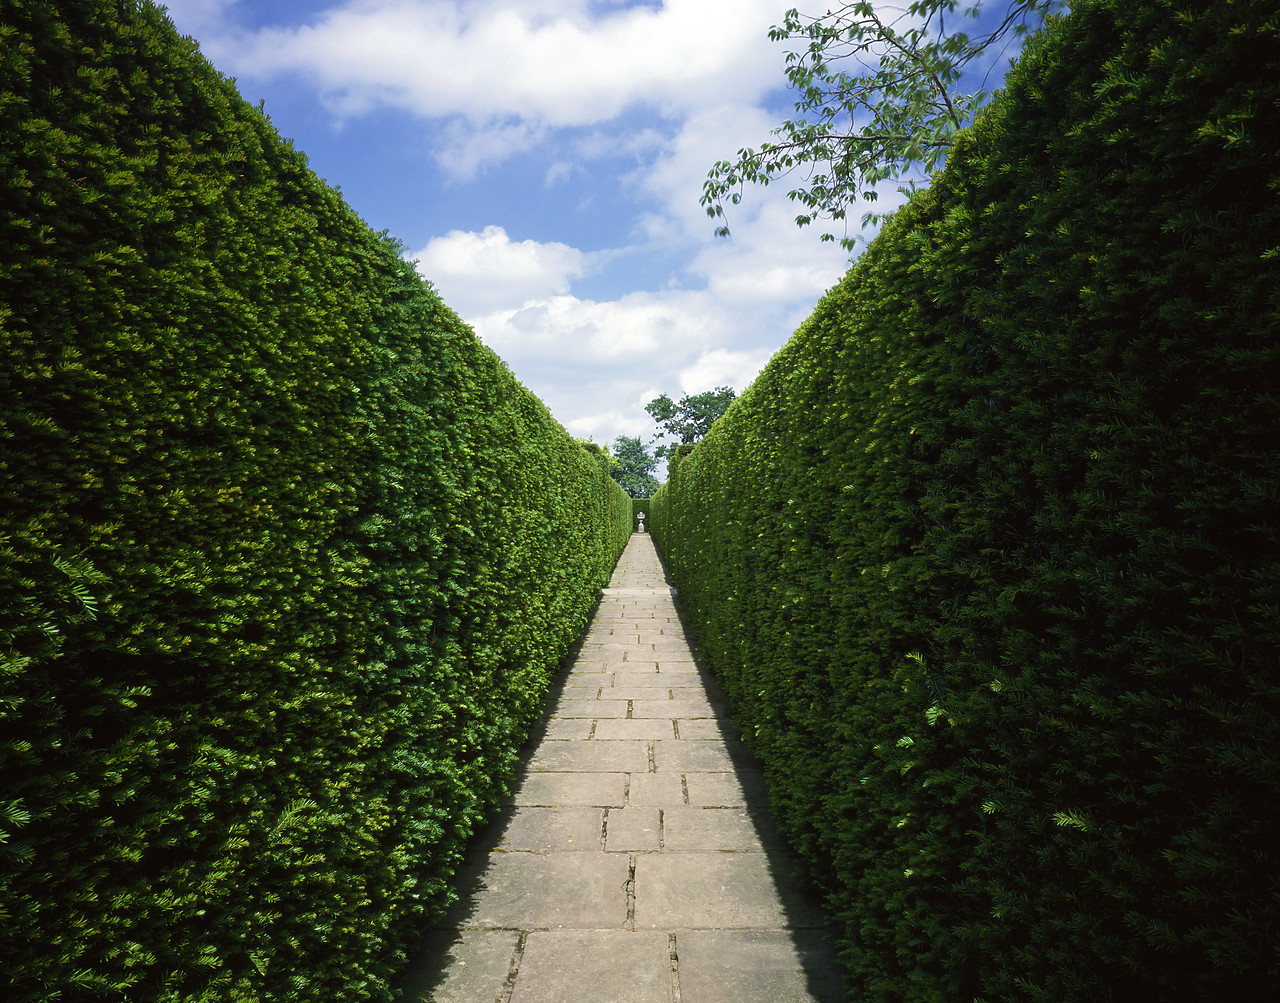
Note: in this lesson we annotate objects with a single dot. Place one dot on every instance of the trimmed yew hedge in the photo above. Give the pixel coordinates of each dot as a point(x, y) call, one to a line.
point(987, 557)
point(287, 558)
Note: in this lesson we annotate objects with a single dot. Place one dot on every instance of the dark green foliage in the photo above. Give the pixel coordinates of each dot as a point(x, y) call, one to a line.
point(987, 557)
point(287, 558)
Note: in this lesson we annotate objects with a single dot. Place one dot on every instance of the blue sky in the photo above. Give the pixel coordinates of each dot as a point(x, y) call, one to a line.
point(543, 160)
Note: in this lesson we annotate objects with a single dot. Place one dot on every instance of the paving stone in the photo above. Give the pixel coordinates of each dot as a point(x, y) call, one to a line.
point(792, 966)
point(726, 790)
point(658, 790)
point(644, 691)
point(681, 690)
point(713, 829)
point(529, 891)
point(639, 692)
point(679, 891)
point(576, 729)
point(581, 691)
point(684, 680)
point(708, 728)
point(671, 644)
point(620, 966)
point(587, 668)
point(554, 789)
point(613, 729)
point(461, 966)
point(638, 679)
point(620, 654)
point(632, 829)
point(672, 708)
point(590, 757)
point(589, 709)
point(692, 757)
point(553, 829)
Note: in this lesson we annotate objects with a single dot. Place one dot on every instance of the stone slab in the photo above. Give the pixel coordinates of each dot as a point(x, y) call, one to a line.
point(614, 729)
point(713, 829)
point(680, 676)
point(638, 676)
point(681, 690)
point(708, 728)
point(726, 790)
point(553, 829)
point(620, 654)
point(707, 891)
point(672, 708)
point(620, 966)
point(531, 891)
point(574, 729)
point(461, 966)
point(590, 757)
point(686, 680)
point(656, 790)
point(581, 691)
point(605, 790)
point(644, 691)
point(748, 966)
point(589, 708)
point(585, 668)
point(692, 757)
point(633, 829)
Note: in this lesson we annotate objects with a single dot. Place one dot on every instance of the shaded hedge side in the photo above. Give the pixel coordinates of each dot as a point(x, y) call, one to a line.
point(987, 557)
point(287, 557)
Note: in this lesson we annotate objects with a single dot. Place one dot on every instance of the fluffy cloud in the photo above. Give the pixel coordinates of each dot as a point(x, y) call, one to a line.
point(549, 62)
point(479, 273)
point(723, 367)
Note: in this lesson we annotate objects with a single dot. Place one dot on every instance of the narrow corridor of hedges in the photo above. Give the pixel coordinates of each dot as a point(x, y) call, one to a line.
point(987, 557)
point(286, 556)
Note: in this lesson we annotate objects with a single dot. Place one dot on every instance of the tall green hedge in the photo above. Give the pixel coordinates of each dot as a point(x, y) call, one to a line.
point(987, 557)
point(287, 557)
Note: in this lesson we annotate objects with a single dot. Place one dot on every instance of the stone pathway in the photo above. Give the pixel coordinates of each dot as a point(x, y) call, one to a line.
point(636, 862)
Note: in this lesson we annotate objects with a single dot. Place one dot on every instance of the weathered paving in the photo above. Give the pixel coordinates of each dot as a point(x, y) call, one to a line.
point(636, 861)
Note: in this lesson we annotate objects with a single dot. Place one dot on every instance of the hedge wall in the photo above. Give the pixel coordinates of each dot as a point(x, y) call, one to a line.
point(286, 556)
point(987, 557)
point(639, 505)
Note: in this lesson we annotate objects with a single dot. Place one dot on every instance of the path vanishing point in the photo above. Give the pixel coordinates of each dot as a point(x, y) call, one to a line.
point(636, 861)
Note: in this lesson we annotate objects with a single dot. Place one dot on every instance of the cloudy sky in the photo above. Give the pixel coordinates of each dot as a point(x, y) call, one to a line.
point(543, 160)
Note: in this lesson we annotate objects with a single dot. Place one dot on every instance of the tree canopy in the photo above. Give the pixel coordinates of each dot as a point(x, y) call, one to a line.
point(883, 91)
point(688, 419)
point(632, 466)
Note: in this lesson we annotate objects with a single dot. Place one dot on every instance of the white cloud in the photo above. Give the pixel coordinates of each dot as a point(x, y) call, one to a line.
point(496, 62)
point(596, 364)
point(465, 151)
point(638, 332)
point(479, 273)
point(723, 367)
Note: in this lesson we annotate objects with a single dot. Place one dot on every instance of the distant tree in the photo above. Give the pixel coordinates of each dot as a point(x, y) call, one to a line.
point(881, 93)
point(633, 467)
point(689, 419)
